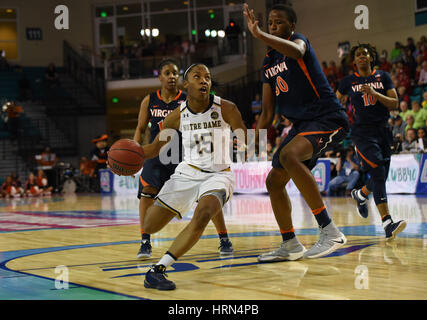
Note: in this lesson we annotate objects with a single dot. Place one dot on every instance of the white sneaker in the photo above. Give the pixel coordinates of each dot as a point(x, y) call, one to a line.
point(289, 250)
point(330, 239)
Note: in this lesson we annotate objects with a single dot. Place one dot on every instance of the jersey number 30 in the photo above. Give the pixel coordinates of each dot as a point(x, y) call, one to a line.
point(281, 85)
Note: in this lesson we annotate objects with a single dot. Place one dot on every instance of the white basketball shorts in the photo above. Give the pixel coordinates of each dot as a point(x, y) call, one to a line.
point(188, 184)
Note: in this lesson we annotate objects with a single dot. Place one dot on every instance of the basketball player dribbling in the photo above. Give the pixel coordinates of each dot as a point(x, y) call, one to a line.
point(201, 177)
point(373, 96)
point(293, 79)
point(154, 108)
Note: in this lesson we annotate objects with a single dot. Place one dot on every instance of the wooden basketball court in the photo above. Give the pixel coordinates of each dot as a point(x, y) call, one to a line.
point(92, 241)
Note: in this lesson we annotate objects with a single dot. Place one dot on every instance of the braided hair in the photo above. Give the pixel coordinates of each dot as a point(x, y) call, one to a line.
point(371, 49)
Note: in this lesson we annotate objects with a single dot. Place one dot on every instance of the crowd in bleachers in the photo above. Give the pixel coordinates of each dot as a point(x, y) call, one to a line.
point(49, 175)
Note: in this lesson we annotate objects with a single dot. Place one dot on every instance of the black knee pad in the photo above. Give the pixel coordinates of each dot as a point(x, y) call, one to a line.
point(377, 184)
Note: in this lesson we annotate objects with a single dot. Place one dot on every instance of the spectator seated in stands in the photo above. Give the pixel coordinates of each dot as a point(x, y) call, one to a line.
point(47, 162)
point(410, 120)
point(396, 53)
point(8, 189)
point(398, 131)
point(420, 115)
point(17, 183)
point(99, 153)
point(43, 184)
point(256, 104)
point(47, 159)
point(287, 126)
point(87, 167)
point(348, 173)
point(277, 143)
point(86, 179)
point(51, 77)
point(422, 139)
point(256, 118)
point(424, 103)
point(422, 80)
point(410, 144)
point(384, 63)
point(403, 95)
point(31, 188)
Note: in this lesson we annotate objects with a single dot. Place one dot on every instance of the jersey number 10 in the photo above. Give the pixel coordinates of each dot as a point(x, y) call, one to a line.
point(369, 100)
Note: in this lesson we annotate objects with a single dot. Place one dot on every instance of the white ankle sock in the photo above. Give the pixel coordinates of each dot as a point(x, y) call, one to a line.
point(166, 260)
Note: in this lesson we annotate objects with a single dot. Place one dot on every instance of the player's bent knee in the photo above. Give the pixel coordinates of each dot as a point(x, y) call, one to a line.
point(275, 180)
point(205, 211)
point(201, 220)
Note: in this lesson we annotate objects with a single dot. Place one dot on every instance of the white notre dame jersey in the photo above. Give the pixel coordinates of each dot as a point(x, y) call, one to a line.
point(206, 137)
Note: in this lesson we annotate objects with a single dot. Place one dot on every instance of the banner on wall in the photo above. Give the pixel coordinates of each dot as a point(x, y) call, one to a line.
point(106, 181)
point(251, 176)
point(422, 181)
point(403, 173)
point(112, 183)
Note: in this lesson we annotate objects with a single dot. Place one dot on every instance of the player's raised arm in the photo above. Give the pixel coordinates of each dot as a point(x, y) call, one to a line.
point(294, 49)
point(172, 121)
point(143, 119)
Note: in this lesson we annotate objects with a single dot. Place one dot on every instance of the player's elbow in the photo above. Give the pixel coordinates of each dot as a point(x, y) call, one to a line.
point(299, 53)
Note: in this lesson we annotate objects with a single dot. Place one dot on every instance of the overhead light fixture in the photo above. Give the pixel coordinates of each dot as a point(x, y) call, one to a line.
point(214, 33)
point(221, 33)
point(207, 33)
point(142, 32)
point(155, 32)
point(147, 32)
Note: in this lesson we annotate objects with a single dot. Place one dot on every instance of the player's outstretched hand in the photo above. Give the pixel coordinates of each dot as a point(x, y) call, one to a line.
point(253, 24)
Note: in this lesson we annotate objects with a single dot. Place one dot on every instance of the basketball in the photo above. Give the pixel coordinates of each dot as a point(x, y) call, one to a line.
point(125, 157)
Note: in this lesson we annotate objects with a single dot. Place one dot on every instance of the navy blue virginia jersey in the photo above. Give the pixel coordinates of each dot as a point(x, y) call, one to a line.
point(368, 110)
point(301, 89)
point(158, 110)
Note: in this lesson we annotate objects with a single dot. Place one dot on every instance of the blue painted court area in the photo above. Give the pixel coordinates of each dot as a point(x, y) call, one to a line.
point(23, 285)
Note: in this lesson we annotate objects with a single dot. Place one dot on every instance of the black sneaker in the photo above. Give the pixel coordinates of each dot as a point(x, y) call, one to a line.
point(155, 279)
point(145, 250)
point(225, 247)
point(362, 204)
point(394, 228)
